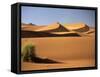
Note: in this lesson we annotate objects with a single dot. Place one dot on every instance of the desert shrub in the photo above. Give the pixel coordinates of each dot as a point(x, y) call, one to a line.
point(28, 52)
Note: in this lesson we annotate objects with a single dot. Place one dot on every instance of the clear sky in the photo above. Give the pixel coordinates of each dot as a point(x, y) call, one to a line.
point(44, 16)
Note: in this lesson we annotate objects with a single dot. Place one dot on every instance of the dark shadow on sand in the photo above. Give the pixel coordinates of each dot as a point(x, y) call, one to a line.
point(31, 34)
point(30, 56)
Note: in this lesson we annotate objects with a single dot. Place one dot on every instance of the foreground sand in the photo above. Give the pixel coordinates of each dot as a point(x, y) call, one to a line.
point(67, 64)
point(71, 51)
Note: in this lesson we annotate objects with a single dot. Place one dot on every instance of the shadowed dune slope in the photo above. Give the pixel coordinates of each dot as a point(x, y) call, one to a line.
point(30, 34)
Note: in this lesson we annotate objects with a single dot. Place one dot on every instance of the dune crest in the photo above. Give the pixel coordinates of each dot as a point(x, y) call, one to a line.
point(49, 27)
point(30, 27)
point(56, 29)
point(80, 27)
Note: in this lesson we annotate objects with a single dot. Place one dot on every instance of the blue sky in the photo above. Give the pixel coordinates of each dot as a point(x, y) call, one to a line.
point(44, 16)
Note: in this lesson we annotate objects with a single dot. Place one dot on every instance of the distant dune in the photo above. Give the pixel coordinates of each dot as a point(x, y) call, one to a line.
point(55, 29)
point(30, 27)
point(79, 27)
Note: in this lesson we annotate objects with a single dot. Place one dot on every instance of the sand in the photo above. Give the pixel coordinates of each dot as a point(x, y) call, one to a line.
point(71, 51)
point(75, 63)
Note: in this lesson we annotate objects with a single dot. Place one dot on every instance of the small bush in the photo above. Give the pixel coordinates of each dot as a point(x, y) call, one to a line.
point(28, 52)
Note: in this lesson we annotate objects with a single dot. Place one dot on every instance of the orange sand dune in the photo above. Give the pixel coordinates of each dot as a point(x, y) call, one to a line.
point(76, 26)
point(55, 27)
point(49, 27)
point(30, 27)
point(80, 27)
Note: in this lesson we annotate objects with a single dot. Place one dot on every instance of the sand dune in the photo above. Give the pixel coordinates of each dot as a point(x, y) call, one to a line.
point(71, 44)
point(56, 29)
point(30, 27)
point(53, 30)
point(49, 27)
point(79, 27)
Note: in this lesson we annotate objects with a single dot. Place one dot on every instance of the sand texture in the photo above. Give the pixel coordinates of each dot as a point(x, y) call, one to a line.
point(73, 45)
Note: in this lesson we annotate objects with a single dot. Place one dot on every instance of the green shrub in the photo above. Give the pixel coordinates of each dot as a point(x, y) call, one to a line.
point(28, 52)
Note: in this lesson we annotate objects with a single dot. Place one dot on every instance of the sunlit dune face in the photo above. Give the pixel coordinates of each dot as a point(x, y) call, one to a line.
point(59, 33)
point(30, 27)
point(49, 27)
point(74, 26)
